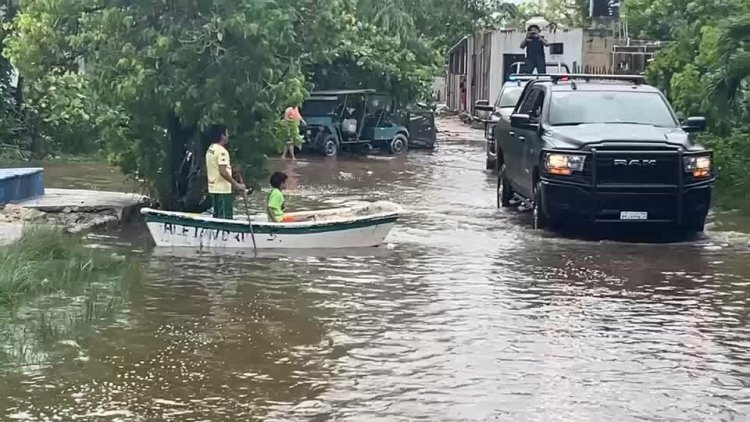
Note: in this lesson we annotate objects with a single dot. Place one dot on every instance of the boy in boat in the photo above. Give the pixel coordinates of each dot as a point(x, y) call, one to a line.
point(219, 173)
point(275, 205)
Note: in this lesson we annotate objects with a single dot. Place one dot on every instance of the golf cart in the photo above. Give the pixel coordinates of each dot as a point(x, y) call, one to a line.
point(353, 119)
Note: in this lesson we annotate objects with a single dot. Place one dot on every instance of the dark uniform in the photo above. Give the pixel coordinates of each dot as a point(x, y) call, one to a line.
point(535, 55)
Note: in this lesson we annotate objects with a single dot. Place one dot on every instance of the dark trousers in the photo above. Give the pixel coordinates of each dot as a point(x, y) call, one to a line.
point(538, 63)
point(223, 204)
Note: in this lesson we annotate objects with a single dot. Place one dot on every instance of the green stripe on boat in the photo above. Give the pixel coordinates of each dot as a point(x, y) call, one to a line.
point(241, 227)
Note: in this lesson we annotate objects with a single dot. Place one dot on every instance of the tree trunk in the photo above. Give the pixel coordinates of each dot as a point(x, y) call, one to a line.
point(178, 137)
point(187, 178)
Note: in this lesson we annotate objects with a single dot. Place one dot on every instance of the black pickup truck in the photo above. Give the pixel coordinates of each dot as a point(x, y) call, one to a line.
point(602, 149)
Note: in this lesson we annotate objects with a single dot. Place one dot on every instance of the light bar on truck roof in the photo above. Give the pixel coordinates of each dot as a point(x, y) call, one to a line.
point(526, 77)
point(636, 79)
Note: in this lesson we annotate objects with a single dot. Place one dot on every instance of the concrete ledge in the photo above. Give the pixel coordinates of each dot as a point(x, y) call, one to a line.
point(77, 211)
point(78, 200)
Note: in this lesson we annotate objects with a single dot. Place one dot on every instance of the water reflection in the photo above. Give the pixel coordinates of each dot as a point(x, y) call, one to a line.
point(466, 315)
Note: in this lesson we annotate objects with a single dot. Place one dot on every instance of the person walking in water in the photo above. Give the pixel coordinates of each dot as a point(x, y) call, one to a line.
point(534, 45)
point(219, 173)
point(292, 121)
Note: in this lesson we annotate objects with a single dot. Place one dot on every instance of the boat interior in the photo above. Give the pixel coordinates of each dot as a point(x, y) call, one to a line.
point(359, 210)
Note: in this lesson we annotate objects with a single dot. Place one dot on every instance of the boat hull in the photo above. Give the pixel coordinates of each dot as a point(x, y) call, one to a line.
point(175, 230)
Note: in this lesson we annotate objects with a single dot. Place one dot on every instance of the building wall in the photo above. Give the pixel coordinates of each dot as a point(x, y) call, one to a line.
point(457, 68)
point(597, 52)
point(480, 60)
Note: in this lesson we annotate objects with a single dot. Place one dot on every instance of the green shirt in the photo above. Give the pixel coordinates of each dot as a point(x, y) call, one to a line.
point(276, 205)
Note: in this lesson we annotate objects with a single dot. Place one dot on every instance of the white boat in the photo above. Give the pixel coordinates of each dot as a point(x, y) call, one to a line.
point(361, 225)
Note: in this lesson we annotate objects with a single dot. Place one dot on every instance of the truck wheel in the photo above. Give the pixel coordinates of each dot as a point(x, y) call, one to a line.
point(696, 228)
point(504, 192)
point(539, 218)
point(330, 147)
point(399, 144)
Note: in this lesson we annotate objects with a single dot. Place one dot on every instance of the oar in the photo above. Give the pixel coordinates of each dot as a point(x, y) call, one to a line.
point(247, 213)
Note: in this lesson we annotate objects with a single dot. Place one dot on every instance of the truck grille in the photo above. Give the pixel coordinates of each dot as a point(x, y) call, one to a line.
point(637, 167)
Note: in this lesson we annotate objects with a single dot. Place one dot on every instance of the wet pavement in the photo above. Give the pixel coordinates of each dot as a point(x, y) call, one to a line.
point(465, 315)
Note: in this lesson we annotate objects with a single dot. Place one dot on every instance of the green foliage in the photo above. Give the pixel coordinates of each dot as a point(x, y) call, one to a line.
point(12, 130)
point(565, 13)
point(705, 71)
point(44, 260)
point(731, 155)
point(288, 130)
point(53, 288)
point(141, 79)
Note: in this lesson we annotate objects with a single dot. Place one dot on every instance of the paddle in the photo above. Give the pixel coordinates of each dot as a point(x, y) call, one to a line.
point(247, 213)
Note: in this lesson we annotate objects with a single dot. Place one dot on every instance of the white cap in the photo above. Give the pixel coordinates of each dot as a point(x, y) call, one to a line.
point(539, 21)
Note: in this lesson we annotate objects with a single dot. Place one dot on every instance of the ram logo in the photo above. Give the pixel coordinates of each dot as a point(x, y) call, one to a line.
point(635, 163)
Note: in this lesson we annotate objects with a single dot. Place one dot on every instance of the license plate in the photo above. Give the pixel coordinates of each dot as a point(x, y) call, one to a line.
point(633, 215)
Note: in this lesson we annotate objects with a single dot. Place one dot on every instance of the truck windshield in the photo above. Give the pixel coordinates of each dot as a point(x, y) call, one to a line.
point(591, 107)
point(509, 96)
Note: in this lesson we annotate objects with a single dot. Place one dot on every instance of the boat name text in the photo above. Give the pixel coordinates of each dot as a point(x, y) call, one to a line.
point(198, 232)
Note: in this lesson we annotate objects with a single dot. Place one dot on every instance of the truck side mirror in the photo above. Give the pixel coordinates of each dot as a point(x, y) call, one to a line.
point(695, 124)
point(522, 121)
point(484, 105)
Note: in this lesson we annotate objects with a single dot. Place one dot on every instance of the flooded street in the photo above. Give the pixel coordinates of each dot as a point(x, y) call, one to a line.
point(465, 315)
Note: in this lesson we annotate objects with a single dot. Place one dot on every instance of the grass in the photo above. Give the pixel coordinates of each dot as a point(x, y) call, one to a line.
point(53, 288)
point(45, 260)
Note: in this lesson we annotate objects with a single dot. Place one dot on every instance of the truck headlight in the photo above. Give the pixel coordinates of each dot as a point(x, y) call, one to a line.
point(699, 166)
point(563, 164)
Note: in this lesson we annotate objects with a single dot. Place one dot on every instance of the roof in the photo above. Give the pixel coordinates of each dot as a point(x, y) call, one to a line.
point(322, 98)
point(458, 44)
point(342, 92)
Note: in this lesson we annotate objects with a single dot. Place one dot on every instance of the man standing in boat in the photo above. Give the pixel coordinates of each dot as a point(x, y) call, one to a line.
point(219, 172)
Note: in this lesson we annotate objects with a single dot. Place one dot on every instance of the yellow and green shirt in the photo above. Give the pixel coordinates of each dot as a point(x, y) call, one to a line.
point(217, 156)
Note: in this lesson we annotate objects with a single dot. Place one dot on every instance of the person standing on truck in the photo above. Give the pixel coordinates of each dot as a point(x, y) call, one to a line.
point(219, 173)
point(534, 45)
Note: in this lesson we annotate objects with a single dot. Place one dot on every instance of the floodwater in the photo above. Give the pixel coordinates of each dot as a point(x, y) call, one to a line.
point(465, 315)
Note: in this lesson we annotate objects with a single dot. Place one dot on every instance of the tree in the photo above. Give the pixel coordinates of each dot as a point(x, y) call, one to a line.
point(12, 129)
point(171, 68)
point(733, 59)
point(566, 13)
point(157, 73)
point(704, 71)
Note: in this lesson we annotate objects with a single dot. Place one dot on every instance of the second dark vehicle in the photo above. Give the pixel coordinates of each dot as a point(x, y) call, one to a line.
point(503, 108)
point(602, 149)
point(363, 120)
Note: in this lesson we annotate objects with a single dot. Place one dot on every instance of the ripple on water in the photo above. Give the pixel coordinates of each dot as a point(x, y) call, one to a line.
point(468, 316)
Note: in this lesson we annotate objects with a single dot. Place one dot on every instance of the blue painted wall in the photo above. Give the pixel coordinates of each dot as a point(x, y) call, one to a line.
point(20, 184)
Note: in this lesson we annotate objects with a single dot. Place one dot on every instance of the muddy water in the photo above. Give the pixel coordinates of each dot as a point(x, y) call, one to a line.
point(466, 315)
